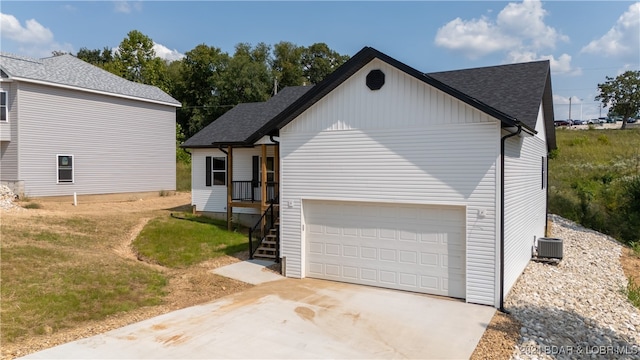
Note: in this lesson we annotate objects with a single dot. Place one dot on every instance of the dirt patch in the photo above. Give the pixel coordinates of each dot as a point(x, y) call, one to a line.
point(186, 287)
point(630, 265)
point(499, 340)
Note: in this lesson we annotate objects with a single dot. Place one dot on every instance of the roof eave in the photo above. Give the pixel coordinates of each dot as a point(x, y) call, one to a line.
point(71, 87)
point(358, 61)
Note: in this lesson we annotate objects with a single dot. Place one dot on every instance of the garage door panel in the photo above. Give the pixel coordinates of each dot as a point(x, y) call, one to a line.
point(404, 247)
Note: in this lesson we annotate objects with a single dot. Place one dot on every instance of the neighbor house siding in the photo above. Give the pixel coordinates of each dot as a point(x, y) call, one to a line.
point(119, 145)
point(525, 202)
point(9, 136)
point(214, 198)
point(405, 143)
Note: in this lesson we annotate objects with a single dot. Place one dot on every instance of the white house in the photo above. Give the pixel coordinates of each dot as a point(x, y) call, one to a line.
point(69, 127)
point(386, 176)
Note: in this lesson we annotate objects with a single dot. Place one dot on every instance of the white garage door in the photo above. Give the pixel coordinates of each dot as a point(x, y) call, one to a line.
point(406, 247)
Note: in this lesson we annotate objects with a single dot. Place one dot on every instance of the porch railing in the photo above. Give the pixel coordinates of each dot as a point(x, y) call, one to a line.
point(258, 232)
point(250, 191)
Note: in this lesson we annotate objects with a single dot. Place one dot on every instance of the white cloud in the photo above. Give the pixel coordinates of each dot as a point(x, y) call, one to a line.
point(33, 39)
point(165, 53)
point(32, 33)
point(622, 40)
point(127, 7)
point(475, 38)
point(525, 21)
point(561, 65)
point(519, 31)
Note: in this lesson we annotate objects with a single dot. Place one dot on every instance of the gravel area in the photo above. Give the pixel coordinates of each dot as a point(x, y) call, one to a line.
point(6, 199)
point(576, 309)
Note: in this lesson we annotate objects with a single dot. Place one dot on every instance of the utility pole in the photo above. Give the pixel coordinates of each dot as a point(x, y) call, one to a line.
point(570, 108)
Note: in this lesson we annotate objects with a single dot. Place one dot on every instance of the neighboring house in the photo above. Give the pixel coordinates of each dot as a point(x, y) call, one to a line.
point(69, 127)
point(386, 176)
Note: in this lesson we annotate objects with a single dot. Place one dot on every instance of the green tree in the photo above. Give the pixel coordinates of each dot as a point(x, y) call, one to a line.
point(248, 77)
point(318, 61)
point(136, 60)
point(622, 94)
point(199, 87)
point(287, 64)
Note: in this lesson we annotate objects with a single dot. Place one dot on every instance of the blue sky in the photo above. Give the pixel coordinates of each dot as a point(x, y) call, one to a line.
point(584, 40)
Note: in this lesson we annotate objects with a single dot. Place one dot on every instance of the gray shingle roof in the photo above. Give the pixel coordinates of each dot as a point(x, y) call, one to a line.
point(70, 71)
point(514, 89)
point(237, 125)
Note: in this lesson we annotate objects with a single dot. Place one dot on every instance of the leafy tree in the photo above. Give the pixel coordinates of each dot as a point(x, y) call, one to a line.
point(318, 61)
point(96, 57)
point(136, 60)
point(287, 64)
point(622, 94)
point(248, 77)
point(198, 87)
point(58, 53)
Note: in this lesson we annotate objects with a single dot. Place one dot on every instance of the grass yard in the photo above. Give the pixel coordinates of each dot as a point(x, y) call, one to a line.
point(55, 273)
point(183, 176)
point(595, 180)
point(66, 271)
point(184, 241)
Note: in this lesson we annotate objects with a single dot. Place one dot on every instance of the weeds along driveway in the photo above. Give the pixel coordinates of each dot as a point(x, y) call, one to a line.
point(295, 319)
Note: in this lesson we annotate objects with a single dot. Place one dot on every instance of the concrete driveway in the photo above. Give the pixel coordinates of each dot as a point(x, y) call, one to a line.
point(294, 319)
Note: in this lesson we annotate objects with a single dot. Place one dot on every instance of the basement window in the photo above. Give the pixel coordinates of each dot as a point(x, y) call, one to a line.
point(65, 169)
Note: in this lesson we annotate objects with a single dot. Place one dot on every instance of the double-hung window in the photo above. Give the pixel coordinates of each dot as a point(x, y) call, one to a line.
point(65, 169)
point(4, 107)
point(216, 171)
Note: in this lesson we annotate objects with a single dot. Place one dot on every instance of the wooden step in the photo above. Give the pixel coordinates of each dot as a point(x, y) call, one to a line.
point(269, 242)
point(266, 256)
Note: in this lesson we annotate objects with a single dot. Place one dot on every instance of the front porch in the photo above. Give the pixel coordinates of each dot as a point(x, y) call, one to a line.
point(259, 192)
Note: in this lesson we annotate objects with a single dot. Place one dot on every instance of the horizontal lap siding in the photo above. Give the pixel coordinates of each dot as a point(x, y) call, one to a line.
point(9, 149)
point(214, 198)
point(525, 203)
point(406, 143)
point(119, 145)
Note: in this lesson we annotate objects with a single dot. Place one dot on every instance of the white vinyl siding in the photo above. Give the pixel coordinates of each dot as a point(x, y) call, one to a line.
point(9, 135)
point(405, 143)
point(119, 145)
point(525, 203)
point(214, 198)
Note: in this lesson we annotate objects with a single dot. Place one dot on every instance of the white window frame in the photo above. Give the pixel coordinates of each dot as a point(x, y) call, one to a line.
point(4, 109)
point(218, 171)
point(73, 169)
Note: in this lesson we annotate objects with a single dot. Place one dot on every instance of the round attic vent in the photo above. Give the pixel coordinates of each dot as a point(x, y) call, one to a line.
point(375, 79)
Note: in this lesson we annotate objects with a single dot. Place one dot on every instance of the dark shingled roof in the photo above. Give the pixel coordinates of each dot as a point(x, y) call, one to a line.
point(514, 89)
point(237, 125)
point(510, 93)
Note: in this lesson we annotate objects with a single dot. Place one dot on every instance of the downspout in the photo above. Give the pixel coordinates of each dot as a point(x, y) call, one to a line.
point(273, 140)
point(502, 150)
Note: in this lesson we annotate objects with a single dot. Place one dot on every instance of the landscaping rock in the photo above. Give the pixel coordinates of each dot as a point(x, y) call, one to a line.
point(6, 199)
point(578, 308)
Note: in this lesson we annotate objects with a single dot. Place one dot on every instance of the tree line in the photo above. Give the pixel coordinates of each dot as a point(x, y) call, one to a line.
point(207, 81)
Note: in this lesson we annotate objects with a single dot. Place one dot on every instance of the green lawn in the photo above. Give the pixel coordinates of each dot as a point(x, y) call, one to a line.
point(184, 241)
point(58, 271)
point(594, 179)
